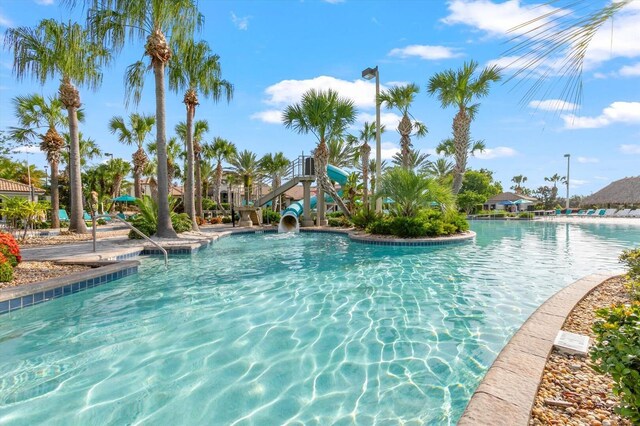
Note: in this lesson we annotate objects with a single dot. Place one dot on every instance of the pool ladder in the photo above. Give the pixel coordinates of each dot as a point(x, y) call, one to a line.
point(134, 229)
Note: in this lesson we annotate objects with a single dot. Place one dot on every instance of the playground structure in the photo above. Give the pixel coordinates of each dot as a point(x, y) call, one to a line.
point(301, 170)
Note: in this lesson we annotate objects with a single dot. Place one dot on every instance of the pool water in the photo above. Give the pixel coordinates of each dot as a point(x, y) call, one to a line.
point(305, 329)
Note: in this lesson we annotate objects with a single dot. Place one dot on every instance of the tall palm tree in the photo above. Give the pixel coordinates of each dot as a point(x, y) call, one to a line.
point(173, 152)
point(207, 174)
point(196, 70)
point(35, 114)
point(459, 88)
point(276, 166)
point(327, 116)
point(222, 150)
point(118, 169)
point(140, 126)
point(53, 48)
point(417, 160)
point(401, 97)
point(246, 166)
point(151, 21)
point(373, 168)
point(555, 179)
point(199, 129)
point(519, 182)
point(366, 134)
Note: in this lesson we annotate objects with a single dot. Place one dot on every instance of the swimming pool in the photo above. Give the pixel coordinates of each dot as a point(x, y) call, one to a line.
point(292, 329)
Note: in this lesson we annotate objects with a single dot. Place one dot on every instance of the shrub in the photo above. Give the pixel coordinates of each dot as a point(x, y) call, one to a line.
point(226, 219)
point(6, 270)
point(381, 226)
point(226, 206)
point(9, 249)
point(101, 221)
point(181, 222)
point(208, 204)
point(525, 215)
point(269, 216)
point(364, 217)
point(215, 220)
point(617, 352)
point(200, 220)
point(408, 227)
point(339, 221)
point(335, 214)
point(631, 258)
point(427, 223)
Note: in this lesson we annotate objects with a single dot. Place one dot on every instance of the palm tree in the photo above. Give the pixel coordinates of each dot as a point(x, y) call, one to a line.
point(448, 147)
point(140, 126)
point(118, 169)
point(222, 150)
point(34, 114)
point(173, 170)
point(372, 168)
point(368, 133)
point(207, 174)
point(275, 165)
point(151, 21)
point(459, 88)
point(342, 152)
point(327, 116)
point(555, 179)
point(519, 182)
point(197, 70)
point(199, 129)
point(401, 97)
point(417, 160)
point(439, 169)
point(246, 166)
point(54, 48)
point(87, 147)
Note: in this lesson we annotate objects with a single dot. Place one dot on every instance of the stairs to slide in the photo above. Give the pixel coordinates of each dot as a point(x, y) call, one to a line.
point(278, 191)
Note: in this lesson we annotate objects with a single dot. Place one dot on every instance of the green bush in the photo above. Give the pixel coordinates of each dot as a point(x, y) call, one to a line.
point(208, 204)
point(617, 352)
point(381, 226)
point(226, 206)
point(226, 219)
point(631, 258)
point(6, 271)
point(101, 221)
point(335, 214)
point(340, 221)
point(525, 215)
point(427, 223)
point(269, 216)
point(364, 217)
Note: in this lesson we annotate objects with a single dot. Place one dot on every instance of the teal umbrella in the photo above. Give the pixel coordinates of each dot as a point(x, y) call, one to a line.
point(125, 199)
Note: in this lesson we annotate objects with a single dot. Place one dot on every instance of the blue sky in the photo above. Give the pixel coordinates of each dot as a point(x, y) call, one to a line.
point(273, 51)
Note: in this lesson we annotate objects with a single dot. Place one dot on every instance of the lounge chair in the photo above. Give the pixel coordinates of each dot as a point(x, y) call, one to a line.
point(590, 212)
point(581, 212)
point(122, 216)
point(62, 214)
point(609, 212)
point(635, 213)
point(622, 213)
point(86, 216)
point(601, 212)
point(558, 211)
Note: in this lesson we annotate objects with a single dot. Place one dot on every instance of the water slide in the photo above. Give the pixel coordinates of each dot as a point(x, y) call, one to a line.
point(290, 217)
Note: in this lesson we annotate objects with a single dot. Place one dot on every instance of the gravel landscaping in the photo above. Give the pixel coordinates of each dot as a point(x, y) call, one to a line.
point(69, 238)
point(571, 392)
point(31, 272)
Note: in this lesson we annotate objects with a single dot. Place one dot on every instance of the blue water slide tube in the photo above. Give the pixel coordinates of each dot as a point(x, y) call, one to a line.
point(291, 214)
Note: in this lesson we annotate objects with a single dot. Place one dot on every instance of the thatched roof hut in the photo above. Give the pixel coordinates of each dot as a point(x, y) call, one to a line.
point(623, 191)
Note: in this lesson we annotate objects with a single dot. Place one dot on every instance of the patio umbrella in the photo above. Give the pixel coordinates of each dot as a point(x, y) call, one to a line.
point(506, 203)
point(125, 199)
point(523, 202)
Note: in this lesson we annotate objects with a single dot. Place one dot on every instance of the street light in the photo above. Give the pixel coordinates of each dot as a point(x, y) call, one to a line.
point(108, 154)
point(368, 74)
point(46, 175)
point(568, 160)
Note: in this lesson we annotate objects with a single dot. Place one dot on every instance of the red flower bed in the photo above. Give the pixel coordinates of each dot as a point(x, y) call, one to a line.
point(10, 249)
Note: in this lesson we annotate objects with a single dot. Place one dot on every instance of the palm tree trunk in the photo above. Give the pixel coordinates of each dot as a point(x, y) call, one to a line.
point(218, 184)
point(55, 196)
point(189, 201)
point(461, 123)
point(139, 161)
point(198, 188)
point(165, 228)
point(404, 128)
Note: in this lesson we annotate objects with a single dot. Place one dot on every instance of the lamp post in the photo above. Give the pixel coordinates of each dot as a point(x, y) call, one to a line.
point(110, 155)
point(368, 74)
point(568, 161)
point(46, 175)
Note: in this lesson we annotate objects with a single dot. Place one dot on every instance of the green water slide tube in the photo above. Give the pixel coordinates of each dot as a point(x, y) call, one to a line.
point(289, 220)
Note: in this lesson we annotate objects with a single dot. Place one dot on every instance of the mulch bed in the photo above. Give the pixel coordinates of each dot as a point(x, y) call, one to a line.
point(571, 392)
point(31, 272)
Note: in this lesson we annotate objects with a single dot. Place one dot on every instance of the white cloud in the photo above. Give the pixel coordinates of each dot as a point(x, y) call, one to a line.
point(273, 116)
point(586, 160)
point(241, 23)
point(617, 112)
point(287, 92)
point(497, 152)
point(599, 75)
point(388, 150)
point(616, 38)
point(45, 2)
point(630, 149)
point(553, 105)
point(425, 52)
point(575, 183)
point(27, 149)
point(388, 119)
point(334, 1)
point(630, 70)
point(5, 22)
point(496, 19)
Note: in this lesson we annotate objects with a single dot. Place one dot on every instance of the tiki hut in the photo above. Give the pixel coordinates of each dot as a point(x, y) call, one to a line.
point(623, 192)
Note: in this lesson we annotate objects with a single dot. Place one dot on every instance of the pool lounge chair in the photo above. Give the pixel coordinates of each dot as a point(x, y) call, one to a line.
point(591, 212)
point(609, 212)
point(62, 214)
point(622, 213)
point(86, 216)
point(635, 213)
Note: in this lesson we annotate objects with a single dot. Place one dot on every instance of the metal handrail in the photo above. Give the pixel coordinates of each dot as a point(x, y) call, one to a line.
point(134, 229)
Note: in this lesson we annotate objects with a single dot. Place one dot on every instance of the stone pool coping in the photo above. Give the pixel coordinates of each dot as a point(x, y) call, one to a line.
point(364, 238)
point(507, 393)
point(14, 298)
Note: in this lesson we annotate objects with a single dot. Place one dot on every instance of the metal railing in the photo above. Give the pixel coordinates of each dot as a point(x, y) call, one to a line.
point(134, 229)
